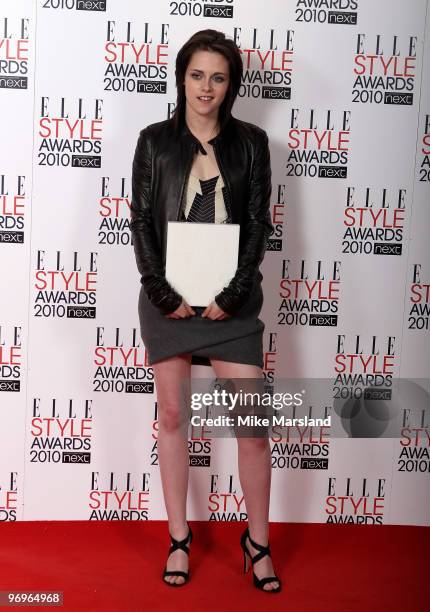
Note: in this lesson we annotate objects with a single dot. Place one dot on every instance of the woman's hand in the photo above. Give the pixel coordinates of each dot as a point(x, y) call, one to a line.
point(182, 312)
point(214, 312)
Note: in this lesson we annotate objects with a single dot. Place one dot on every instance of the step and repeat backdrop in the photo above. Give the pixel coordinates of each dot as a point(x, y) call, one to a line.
point(342, 88)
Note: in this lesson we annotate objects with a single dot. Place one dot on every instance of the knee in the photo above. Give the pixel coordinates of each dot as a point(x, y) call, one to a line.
point(253, 445)
point(170, 417)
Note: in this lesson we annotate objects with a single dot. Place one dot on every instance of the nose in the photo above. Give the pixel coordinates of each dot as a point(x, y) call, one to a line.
point(207, 84)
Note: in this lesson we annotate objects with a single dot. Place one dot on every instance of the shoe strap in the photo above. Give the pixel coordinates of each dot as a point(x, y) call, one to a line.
point(263, 581)
point(176, 544)
point(264, 550)
point(175, 573)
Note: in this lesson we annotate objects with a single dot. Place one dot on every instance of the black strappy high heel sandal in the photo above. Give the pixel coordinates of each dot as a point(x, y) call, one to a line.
point(263, 551)
point(182, 544)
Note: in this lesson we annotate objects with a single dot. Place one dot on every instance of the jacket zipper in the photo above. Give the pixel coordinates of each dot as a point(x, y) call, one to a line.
point(188, 170)
point(225, 182)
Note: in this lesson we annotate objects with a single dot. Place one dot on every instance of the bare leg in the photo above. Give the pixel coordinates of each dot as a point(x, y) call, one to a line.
point(173, 452)
point(254, 474)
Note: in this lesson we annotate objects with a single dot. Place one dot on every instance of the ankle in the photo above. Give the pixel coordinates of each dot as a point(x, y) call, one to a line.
point(259, 537)
point(178, 531)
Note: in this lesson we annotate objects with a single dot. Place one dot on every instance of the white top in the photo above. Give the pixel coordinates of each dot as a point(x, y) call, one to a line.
point(202, 196)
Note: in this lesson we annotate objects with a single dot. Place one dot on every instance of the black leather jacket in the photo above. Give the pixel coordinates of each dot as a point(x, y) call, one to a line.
point(161, 165)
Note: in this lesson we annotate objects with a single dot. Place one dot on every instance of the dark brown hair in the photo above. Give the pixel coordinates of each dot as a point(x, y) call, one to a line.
point(208, 40)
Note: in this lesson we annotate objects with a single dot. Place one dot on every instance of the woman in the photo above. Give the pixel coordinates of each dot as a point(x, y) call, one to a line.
point(204, 165)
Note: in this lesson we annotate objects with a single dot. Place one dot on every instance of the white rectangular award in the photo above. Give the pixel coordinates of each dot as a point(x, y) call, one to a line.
point(201, 258)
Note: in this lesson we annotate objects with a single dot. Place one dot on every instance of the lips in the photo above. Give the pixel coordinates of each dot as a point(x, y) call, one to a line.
point(205, 98)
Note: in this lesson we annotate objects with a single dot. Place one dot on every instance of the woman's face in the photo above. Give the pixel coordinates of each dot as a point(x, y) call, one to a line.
point(206, 83)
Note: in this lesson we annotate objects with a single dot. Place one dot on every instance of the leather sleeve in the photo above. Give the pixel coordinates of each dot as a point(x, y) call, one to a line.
point(146, 248)
point(257, 226)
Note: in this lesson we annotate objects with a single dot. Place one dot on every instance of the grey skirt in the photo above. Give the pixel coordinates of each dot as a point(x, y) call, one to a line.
point(238, 338)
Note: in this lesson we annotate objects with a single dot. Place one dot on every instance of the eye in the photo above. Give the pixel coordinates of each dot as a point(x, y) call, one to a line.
point(195, 75)
point(219, 79)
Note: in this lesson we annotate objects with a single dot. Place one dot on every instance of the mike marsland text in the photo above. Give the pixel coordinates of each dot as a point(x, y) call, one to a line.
point(252, 420)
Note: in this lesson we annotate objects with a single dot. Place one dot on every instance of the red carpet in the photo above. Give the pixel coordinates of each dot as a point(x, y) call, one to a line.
point(117, 566)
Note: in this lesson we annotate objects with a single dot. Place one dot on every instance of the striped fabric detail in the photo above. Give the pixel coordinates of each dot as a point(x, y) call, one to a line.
point(205, 200)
